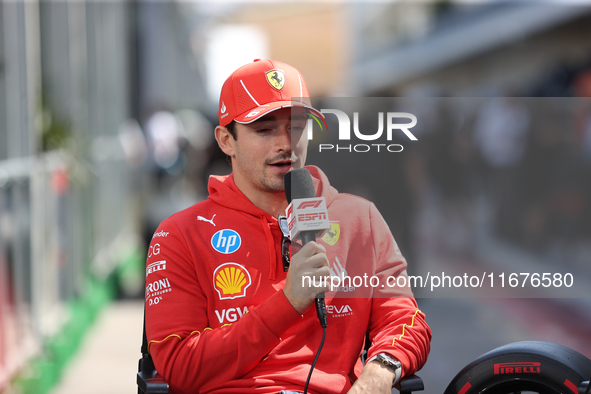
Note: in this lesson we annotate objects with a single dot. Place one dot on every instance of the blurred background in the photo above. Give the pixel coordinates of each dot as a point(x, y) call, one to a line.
point(107, 112)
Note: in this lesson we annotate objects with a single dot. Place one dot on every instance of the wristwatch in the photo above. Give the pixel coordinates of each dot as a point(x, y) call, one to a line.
point(389, 362)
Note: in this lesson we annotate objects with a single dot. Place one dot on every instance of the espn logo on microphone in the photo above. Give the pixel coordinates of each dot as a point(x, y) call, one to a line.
point(307, 214)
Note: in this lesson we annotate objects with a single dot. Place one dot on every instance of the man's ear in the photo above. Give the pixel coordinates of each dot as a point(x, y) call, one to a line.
point(225, 140)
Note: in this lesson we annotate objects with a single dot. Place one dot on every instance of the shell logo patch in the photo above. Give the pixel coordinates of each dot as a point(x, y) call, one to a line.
point(231, 280)
point(332, 236)
point(276, 78)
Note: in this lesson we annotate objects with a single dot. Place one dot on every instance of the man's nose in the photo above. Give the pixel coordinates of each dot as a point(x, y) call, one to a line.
point(284, 139)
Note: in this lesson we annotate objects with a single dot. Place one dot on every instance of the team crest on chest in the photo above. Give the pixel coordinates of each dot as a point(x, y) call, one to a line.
point(332, 236)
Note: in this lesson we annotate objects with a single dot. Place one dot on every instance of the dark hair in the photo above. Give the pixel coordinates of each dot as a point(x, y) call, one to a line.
point(232, 128)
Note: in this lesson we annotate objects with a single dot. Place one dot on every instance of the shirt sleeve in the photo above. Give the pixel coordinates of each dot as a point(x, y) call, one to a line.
point(396, 326)
point(188, 353)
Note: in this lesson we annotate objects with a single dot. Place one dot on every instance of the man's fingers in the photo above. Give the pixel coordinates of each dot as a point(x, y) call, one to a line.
point(324, 272)
point(310, 249)
point(318, 261)
point(318, 280)
point(308, 275)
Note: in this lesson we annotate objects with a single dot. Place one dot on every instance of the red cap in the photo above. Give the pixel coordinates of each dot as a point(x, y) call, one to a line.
point(260, 87)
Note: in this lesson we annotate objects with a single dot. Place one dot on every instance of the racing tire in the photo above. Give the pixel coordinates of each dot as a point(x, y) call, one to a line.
point(524, 367)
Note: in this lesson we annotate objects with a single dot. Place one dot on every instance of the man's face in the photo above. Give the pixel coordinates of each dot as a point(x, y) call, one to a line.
point(267, 148)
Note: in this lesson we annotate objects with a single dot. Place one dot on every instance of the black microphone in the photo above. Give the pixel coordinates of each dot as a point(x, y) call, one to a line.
point(298, 184)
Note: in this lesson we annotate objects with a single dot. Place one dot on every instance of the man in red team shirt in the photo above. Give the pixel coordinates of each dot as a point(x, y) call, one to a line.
point(222, 316)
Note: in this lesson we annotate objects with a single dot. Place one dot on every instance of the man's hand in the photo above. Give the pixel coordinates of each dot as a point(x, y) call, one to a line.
point(310, 262)
point(375, 378)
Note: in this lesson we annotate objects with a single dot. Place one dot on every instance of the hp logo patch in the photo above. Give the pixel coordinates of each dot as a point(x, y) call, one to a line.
point(226, 241)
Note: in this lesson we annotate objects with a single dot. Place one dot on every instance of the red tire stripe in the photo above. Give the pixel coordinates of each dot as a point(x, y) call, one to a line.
point(466, 387)
point(571, 386)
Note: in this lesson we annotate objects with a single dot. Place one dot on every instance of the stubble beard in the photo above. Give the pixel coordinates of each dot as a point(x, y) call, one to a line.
point(273, 184)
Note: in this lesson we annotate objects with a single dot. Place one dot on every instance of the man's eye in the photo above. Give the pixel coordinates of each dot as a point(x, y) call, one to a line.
point(297, 128)
point(264, 130)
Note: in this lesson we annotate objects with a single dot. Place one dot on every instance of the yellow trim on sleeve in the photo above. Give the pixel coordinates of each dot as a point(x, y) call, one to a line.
point(179, 337)
point(412, 323)
point(171, 335)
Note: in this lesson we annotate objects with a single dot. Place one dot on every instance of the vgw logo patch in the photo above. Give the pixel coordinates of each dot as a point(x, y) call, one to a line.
point(226, 241)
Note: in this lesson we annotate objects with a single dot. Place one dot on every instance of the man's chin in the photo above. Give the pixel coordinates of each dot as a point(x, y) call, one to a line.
point(275, 184)
point(279, 186)
point(277, 190)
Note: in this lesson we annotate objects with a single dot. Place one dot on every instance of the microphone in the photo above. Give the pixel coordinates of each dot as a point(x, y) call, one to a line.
point(307, 218)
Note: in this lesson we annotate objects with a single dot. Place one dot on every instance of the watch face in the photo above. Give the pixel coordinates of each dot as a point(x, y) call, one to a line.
point(389, 362)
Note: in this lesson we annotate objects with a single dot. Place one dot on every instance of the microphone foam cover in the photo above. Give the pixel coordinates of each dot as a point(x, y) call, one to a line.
point(298, 184)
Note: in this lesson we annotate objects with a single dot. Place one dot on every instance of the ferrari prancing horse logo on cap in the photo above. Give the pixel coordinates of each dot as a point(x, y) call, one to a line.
point(276, 78)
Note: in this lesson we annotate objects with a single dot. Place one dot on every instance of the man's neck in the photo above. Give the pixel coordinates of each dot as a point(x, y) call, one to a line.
point(274, 204)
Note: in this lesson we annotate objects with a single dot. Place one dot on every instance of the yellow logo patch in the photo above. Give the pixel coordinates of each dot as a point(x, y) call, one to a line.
point(231, 281)
point(332, 236)
point(276, 78)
